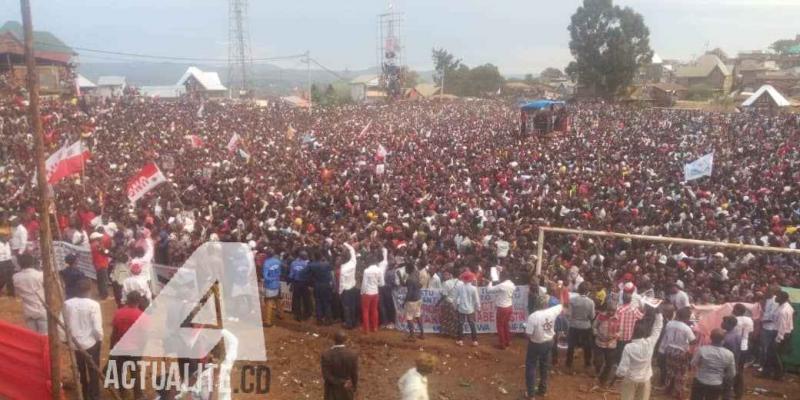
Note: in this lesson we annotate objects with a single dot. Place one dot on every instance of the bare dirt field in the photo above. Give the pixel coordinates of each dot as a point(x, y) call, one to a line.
point(464, 373)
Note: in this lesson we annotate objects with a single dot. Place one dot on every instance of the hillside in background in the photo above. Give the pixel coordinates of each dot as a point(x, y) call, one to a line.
point(267, 78)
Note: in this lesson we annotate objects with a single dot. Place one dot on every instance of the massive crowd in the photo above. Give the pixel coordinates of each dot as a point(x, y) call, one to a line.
point(440, 190)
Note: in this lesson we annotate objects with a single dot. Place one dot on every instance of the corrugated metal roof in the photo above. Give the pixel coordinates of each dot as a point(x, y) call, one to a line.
point(776, 96)
point(366, 79)
point(111, 80)
point(702, 67)
point(84, 82)
point(209, 80)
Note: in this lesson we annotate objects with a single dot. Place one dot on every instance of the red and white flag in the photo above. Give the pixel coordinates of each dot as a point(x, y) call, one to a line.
point(66, 161)
point(233, 144)
point(144, 181)
point(195, 141)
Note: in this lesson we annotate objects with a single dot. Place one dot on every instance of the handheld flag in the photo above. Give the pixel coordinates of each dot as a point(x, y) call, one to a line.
point(699, 168)
point(195, 141)
point(200, 111)
point(144, 181)
point(66, 161)
point(366, 128)
point(290, 133)
point(380, 155)
point(233, 144)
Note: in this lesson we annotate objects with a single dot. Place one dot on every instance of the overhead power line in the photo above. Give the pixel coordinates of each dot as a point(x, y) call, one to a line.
point(140, 55)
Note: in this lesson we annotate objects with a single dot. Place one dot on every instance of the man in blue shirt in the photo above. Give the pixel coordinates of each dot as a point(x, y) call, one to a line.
point(298, 278)
point(321, 276)
point(271, 270)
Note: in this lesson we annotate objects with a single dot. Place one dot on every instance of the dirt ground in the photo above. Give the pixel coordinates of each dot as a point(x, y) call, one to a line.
point(464, 373)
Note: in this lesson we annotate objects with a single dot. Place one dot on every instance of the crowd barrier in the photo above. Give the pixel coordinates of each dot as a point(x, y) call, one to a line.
point(25, 366)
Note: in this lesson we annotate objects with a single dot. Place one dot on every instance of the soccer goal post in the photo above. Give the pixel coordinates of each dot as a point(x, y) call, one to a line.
point(662, 239)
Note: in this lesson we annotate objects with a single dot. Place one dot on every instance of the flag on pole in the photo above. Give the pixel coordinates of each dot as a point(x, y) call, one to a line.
point(233, 144)
point(366, 128)
point(66, 161)
point(200, 110)
point(195, 141)
point(699, 168)
point(144, 181)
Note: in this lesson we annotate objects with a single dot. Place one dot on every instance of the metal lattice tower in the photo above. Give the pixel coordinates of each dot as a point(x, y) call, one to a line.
point(391, 60)
point(240, 58)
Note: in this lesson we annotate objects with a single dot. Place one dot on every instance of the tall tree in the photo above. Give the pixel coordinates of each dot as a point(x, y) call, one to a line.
point(609, 44)
point(782, 46)
point(551, 73)
point(444, 63)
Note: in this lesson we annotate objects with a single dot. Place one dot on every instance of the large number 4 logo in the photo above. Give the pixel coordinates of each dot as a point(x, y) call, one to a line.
point(215, 289)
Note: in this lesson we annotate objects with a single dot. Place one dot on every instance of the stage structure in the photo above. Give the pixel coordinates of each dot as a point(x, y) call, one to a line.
point(240, 58)
point(391, 60)
point(658, 239)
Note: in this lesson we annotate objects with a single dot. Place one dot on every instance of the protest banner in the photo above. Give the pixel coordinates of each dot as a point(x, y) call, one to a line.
point(484, 318)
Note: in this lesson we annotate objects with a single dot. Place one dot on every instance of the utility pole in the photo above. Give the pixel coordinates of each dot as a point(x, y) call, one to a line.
point(45, 238)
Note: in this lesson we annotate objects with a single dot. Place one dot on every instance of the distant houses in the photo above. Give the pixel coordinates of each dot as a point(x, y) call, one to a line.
point(707, 72)
point(53, 59)
point(202, 83)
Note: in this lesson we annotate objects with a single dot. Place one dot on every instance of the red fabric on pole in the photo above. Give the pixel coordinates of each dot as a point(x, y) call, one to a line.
point(25, 366)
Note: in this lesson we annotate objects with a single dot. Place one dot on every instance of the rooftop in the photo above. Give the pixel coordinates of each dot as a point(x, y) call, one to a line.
point(209, 80)
point(702, 67)
point(111, 80)
point(42, 40)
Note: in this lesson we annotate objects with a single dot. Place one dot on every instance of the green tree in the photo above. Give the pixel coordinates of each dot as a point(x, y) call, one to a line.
point(482, 80)
point(551, 73)
point(609, 44)
point(444, 63)
point(411, 77)
point(529, 78)
point(782, 46)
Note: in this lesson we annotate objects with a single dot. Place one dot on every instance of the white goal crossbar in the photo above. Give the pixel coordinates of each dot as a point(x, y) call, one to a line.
point(661, 239)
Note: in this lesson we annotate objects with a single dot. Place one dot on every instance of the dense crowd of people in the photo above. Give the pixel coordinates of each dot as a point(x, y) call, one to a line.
point(348, 203)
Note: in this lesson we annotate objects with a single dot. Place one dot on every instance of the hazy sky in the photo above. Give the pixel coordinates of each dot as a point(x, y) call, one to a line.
point(519, 36)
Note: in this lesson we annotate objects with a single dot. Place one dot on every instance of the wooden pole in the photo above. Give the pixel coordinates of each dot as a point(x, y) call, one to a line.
point(539, 252)
point(45, 239)
point(667, 239)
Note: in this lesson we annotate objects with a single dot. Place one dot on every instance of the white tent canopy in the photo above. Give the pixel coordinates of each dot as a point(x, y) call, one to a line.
point(770, 91)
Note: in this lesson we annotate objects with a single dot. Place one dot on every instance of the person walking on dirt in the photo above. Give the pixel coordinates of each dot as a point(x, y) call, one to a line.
point(413, 384)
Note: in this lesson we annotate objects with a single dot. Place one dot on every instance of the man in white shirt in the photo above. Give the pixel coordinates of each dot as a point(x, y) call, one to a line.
point(137, 282)
point(85, 322)
point(372, 280)
point(784, 323)
point(635, 367)
point(678, 337)
point(540, 329)
point(348, 291)
point(678, 297)
point(413, 384)
point(29, 286)
point(744, 327)
point(19, 238)
point(503, 300)
point(468, 302)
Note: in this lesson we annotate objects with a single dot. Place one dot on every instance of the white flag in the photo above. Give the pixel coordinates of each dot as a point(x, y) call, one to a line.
point(200, 111)
point(233, 144)
point(699, 168)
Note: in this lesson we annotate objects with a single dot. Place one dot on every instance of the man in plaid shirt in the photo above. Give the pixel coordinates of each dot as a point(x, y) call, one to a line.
point(627, 315)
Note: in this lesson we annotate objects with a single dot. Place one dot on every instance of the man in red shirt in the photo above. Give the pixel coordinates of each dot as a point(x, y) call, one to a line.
point(124, 318)
point(100, 259)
